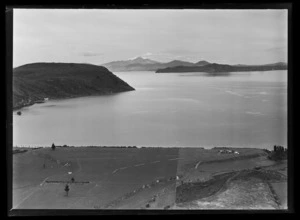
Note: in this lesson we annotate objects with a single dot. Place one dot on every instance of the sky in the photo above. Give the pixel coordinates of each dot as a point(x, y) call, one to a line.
point(98, 36)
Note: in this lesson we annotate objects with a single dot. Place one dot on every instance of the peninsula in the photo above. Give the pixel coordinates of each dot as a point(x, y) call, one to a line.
point(36, 82)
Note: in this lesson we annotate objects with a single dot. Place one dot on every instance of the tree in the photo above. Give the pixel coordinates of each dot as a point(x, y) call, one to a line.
point(67, 189)
point(53, 146)
point(72, 180)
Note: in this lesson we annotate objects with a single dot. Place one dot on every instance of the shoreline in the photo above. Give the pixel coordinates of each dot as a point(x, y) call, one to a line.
point(138, 147)
point(19, 107)
point(212, 148)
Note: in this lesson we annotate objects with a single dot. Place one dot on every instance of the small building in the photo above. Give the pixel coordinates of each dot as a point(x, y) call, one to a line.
point(236, 152)
point(226, 151)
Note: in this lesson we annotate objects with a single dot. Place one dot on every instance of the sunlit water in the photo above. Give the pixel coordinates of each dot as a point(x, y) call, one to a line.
point(246, 109)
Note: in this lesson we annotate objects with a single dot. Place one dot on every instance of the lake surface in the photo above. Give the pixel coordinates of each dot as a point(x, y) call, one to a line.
point(247, 109)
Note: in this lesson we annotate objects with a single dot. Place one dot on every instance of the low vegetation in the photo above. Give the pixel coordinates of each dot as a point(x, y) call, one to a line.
point(191, 191)
point(279, 153)
point(16, 151)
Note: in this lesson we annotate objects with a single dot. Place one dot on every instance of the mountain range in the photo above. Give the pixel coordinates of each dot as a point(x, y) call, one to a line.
point(142, 64)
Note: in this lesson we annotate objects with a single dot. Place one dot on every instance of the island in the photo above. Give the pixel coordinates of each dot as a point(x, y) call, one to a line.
point(218, 68)
point(38, 82)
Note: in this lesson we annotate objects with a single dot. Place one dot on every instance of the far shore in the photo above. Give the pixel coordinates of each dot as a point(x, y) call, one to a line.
point(29, 147)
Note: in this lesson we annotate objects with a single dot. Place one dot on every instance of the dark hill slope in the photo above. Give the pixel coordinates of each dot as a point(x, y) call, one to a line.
point(36, 81)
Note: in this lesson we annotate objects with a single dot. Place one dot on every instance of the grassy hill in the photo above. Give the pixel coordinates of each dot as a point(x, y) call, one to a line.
point(34, 82)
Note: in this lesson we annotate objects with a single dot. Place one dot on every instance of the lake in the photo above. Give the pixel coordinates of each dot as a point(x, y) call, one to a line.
point(247, 109)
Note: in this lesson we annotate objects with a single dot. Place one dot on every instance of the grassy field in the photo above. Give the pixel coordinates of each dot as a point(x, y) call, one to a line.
point(147, 178)
point(111, 173)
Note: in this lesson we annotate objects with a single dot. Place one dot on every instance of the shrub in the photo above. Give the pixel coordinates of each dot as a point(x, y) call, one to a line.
point(279, 153)
point(167, 207)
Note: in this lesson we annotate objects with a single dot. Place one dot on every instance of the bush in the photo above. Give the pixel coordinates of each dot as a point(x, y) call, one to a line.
point(167, 207)
point(279, 153)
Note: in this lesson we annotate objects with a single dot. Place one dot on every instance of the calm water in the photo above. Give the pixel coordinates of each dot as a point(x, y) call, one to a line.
point(179, 109)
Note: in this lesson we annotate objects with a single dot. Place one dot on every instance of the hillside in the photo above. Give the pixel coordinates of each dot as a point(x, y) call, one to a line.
point(202, 63)
point(217, 68)
point(34, 82)
point(177, 63)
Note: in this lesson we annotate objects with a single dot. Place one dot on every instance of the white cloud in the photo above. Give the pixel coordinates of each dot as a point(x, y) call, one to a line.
point(91, 54)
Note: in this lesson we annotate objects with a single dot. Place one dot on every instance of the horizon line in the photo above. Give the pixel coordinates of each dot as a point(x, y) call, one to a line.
point(147, 59)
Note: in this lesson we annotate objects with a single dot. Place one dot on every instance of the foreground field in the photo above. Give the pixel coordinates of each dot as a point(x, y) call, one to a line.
point(246, 180)
point(147, 178)
point(104, 177)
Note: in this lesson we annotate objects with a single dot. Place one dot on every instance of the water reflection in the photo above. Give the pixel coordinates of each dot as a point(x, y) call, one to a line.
point(217, 74)
point(203, 74)
point(166, 110)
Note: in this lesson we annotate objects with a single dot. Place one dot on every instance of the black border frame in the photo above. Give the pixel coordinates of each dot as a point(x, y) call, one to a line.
point(200, 6)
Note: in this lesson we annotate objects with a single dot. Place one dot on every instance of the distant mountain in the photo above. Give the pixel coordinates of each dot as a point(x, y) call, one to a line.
point(270, 64)
point(137, 64)
point(178, 63)
point(217, 68)
point(141, 60)
point(34, 82)
point(277, 64)
point(202, 63)
point(141, 64)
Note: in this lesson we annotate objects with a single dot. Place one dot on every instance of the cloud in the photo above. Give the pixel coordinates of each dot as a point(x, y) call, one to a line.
point(277, 49)
point(166, 57)
point(91, 54)
point(148, 54)
point(179, 51)
point(145, 55)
